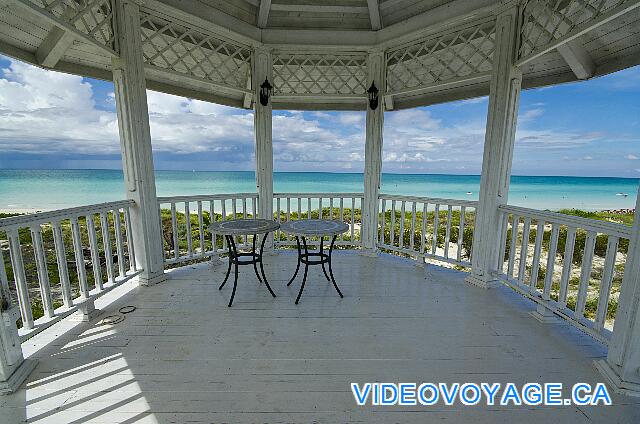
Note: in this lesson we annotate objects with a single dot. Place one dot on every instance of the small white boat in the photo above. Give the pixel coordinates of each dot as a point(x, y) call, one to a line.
point(622, 194)
point(469, 193)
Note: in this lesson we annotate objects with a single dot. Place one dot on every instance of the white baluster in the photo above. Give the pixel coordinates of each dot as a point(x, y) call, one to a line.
point(401, 235)
point(43, 273)
point(201, 228)
point(423, 232)
point(130, 244)
point(436, 220)
point(80, 268)
point(447, 234)
point(606, 282)
point(392, 227)
point(460, 234)
point(585, 273)
point(524, 249)
point(117, 225)
point(413, 225)
point(174, 229)
point(567, 263)
point(63, 270)
point(187, 216)
point(551, 261)
point(383, 219)
point(106, 242)
point(535, 267)
point(515, 225)
point(95, 252)
point(17, 265)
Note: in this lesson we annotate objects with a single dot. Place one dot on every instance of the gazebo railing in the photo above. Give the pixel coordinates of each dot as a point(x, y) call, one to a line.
point(185, 223)
point(427, 228)
point(571, 265)
point(49, 257)
point(345, 207)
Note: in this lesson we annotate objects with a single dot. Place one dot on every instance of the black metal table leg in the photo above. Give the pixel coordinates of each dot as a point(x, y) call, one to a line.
point(255, 259)
point(333, 280)
point(322, 261)
point(235, 261)
point(266, 283)
point(306, 269)
point(226, 277)
point(297, 266)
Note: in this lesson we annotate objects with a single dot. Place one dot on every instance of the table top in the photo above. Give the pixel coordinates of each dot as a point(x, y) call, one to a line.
point(244, 226)
point(314, 227)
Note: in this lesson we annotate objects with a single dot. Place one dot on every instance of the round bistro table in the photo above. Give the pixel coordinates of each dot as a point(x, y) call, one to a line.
point(314, 228)
point(239, 227)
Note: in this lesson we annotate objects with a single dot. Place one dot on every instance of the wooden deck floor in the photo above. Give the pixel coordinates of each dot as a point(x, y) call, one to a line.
point(183, 356)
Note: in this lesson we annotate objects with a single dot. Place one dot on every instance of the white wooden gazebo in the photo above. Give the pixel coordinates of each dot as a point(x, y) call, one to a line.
point(326, 55)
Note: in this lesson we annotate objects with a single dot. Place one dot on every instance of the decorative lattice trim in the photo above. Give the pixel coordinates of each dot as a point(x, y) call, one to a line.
point(319, 74)
point(544, 21)
point(91, 17)
point(442, 58)
point(187, 50)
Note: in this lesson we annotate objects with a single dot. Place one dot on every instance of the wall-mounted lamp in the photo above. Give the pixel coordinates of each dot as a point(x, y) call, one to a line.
point(372, 94)
point(266, 90)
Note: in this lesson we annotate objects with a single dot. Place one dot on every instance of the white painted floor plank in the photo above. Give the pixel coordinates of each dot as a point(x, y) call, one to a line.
point(183, 356)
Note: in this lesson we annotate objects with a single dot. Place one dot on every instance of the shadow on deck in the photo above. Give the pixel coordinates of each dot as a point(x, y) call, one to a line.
point(183, 356)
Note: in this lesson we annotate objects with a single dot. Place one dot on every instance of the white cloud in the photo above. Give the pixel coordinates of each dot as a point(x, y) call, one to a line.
point(632, 157)
point(530, 115)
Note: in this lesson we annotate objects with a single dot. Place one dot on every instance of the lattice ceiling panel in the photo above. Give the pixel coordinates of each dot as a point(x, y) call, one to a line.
point(91, 17)
point(544, 20)
point(439, 59)
point(319, 74)
point(191, 51)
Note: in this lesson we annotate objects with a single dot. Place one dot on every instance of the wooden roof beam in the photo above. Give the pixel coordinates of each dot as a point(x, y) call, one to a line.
point(374, 14)
point(578, 59)
point(313, 8)
point(53, 47)
point(263, 13)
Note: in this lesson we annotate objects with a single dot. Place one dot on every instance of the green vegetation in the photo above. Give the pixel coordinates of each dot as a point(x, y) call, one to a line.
point(406, 235)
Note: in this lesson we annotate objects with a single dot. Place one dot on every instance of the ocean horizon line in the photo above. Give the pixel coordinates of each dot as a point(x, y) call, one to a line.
point(324, 172)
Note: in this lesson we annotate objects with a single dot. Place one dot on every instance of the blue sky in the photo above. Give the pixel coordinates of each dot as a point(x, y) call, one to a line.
point(53, 120)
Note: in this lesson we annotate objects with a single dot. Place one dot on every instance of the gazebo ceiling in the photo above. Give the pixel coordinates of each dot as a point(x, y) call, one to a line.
point(435, 50)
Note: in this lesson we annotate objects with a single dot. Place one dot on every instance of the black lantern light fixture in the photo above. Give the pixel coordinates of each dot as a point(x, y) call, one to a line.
point(266, 90)
point(372, 94)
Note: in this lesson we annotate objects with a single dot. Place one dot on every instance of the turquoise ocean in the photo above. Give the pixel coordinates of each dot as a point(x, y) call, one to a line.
point(55, 189)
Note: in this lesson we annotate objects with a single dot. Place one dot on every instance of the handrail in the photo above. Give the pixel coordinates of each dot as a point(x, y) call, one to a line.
point(60, 214)
point(612, 228)
point(440, 200)
point(205, 197)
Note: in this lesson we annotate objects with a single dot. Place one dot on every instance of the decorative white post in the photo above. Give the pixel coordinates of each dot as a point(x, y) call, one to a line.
point(14, 369)
point(504, 96)
point(373, 155)
point(622, 366)
point(262, 69)
point(135, 142)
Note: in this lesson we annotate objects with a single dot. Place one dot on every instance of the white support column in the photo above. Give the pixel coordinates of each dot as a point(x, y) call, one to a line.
point(262, 68)
point(14, 369)
point(504, 99)
point(135, 142)
point(622, 366)
point(373, 155)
